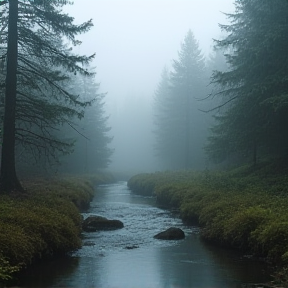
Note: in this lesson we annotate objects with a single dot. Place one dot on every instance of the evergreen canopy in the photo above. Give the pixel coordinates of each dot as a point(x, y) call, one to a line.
point(254, 90)
point(178, 137)
point(33, 44)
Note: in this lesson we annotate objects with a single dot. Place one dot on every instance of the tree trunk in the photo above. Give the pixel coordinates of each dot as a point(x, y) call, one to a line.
point(8, 178)
point(187, 129)
point(254, 153)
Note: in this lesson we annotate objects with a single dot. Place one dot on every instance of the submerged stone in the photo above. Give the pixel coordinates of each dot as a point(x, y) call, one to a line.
point(129, 247)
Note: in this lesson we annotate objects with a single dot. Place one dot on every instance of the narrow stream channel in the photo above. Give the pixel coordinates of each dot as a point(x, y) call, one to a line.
point(107, 260)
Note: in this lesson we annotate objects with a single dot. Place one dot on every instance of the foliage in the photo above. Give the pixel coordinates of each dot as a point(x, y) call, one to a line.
point(90, 132)
point(239, 208)
point(38, 97)
point(162, 122)
point(6, 270)
point(253, 91)
point(100, 178)
point(143, 184)
point(45, 65)
point(44, 222)
point(179, 138)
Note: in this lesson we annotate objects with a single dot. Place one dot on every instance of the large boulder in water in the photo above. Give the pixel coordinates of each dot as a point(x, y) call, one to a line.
point(97, 223)
point(172, 233)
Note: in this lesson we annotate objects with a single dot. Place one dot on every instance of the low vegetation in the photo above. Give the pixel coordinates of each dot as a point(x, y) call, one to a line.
point(44, 222)
point(244, 208)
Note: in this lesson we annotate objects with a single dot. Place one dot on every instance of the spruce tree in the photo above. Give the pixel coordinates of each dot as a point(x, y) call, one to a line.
point(38, 68)
point(91, 151)
point(187, 85)
point(254, 89)
point(161, 119)
point(180, 126)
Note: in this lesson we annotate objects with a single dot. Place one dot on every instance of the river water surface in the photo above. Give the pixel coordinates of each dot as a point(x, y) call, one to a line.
point(132, 258)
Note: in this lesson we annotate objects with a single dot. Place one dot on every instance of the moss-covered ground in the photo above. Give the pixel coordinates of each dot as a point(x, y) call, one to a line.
point(245, 208)
point(44, 221)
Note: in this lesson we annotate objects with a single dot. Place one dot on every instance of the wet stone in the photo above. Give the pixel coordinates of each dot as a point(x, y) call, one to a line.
point(98, 223)
point(172, 233)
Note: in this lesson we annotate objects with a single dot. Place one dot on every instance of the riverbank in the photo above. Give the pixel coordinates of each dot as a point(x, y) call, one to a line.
point(44, 222)
point(244, 208)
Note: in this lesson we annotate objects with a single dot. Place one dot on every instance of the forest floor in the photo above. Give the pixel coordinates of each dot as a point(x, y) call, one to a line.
point(43, 222)
point(244, 208)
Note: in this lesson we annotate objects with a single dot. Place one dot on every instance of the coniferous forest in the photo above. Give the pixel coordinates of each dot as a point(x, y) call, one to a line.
point(219, 128)
point(49, 104)
point(45, 89)
point(247, 80)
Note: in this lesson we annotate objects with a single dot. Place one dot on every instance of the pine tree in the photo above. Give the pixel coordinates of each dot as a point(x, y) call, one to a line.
point(187, 85)
point(8, 176)
point(162, 124)
point(254, 90)
point(91, 133)
point(180, 126)
point(38, 67)
point(217, 148)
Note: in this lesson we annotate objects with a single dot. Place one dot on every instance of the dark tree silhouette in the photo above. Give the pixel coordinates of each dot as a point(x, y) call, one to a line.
point(177, 132)
point(8, 177)
point(253, 119)
point(38, 70)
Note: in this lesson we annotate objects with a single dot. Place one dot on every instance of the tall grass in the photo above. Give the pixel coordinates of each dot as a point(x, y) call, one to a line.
point(244, 208)
point(44, 222)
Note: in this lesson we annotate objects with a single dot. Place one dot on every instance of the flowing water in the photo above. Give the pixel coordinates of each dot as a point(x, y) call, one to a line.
point(131, 258)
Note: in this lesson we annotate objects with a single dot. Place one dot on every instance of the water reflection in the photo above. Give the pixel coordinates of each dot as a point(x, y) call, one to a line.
point(244, 269)
point(186, 265)
point(48, 274)
point(193, 263)
point(155, 264)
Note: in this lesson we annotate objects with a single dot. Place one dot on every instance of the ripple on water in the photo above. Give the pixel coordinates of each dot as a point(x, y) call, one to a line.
point(141, 223)
point(130, 257)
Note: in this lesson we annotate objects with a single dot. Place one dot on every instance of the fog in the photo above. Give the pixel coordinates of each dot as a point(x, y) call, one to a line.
point(133, 41)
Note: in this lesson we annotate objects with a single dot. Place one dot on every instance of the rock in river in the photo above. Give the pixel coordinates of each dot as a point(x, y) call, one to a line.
point(96, 223)
point(172, 233)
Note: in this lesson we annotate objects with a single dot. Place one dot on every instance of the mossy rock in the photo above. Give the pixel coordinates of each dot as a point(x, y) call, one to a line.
point(172, 233)
point(97, 223)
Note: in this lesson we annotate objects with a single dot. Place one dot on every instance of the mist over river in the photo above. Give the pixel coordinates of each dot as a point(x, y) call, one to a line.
point(132, 258)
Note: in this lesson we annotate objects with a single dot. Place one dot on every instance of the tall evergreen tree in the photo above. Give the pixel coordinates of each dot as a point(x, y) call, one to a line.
point(187, 85)
point(179, 129)
point(254, 90)
point(8, 178)
point(91, 133)
point(162, 124)
point(216, 62)
point(35, 96)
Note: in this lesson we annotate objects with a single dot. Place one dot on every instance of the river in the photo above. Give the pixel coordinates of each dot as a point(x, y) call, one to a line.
point(131, 258)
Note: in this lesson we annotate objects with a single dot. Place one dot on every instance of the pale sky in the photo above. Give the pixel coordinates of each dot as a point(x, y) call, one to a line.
point(133, 41)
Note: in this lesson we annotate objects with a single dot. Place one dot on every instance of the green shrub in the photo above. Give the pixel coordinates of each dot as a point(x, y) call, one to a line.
point(271, 239)
point(44, 222)
point(244, 207)
point(241, 225)
point(189, 212)
point(6, 270)
point(16, 245)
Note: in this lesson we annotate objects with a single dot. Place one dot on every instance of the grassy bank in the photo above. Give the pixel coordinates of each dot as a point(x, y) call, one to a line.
point(44, 222)
point(244, 208)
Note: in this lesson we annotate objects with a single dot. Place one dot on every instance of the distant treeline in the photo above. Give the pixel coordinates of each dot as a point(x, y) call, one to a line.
point(247, 95)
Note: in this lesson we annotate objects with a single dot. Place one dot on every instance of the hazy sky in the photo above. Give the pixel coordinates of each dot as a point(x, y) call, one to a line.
point(133, 41)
